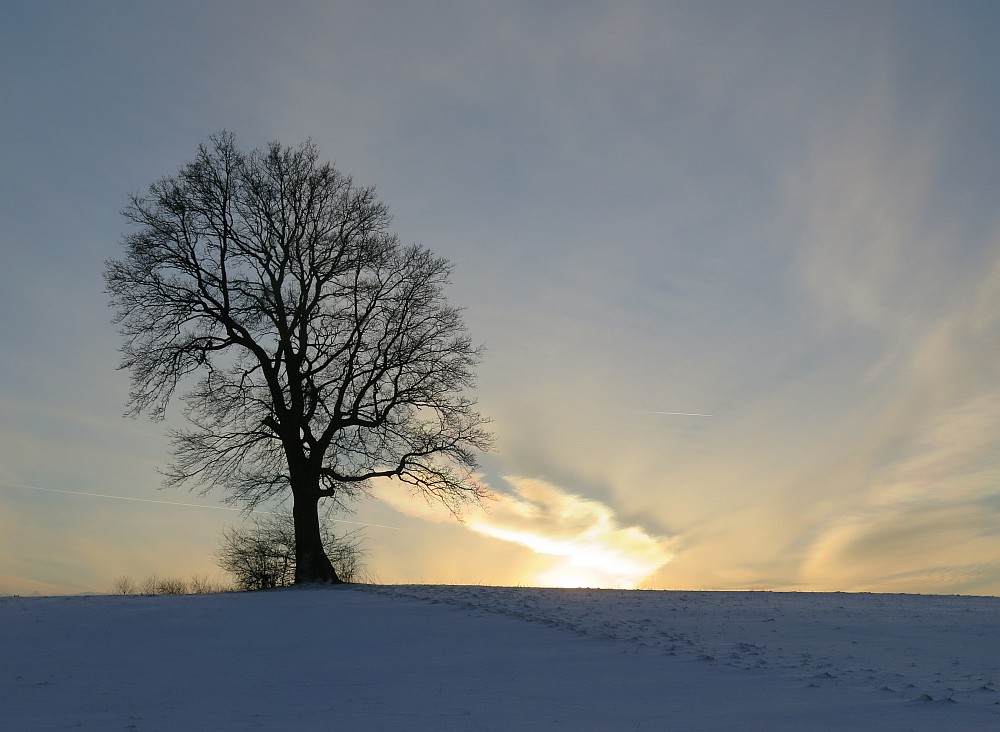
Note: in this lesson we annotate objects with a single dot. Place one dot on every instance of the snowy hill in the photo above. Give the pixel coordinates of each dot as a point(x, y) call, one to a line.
point(430, 658)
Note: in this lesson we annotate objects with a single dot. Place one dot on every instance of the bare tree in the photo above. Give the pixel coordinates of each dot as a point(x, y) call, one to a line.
point(316, 352)
point(261, 555)
point(125, 586)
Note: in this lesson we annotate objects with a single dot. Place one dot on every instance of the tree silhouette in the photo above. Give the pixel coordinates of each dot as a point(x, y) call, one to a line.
point(260, 554)
point(315, 353)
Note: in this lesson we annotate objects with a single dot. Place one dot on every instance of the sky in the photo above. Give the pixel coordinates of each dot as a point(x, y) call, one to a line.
point(736, 267)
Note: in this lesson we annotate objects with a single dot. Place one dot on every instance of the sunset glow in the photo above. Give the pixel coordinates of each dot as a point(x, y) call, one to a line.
point(579, 540)
point(735, 269)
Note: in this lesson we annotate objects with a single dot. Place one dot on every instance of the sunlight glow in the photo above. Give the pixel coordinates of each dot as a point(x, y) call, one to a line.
point(591, 560)
point(579, 537)
point(595, 550)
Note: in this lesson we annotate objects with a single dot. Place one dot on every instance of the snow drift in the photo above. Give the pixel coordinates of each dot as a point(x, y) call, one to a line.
point(443, 658)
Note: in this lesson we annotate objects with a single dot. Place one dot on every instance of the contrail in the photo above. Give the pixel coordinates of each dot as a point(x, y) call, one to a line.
point(178, 503)
point(676, 414)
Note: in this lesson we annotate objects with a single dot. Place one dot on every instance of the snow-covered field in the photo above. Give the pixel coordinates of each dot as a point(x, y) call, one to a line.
point(438, 658)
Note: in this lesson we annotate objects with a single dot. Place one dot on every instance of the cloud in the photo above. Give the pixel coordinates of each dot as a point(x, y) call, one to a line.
point(945, 546)
point(903, 290)
point(953, 455)
point(582, 533)
point(870, 256)
point(926, 518)
point(588, 545)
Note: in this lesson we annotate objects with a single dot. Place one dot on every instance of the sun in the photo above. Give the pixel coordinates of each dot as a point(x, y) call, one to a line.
point(572, 574)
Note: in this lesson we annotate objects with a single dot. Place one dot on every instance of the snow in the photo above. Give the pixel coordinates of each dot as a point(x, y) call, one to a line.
point(443, 658)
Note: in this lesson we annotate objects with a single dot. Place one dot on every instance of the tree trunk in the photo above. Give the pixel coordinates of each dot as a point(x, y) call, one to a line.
point(311, 563)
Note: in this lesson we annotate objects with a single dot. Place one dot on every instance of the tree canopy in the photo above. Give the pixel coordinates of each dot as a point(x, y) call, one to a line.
point(313, 351)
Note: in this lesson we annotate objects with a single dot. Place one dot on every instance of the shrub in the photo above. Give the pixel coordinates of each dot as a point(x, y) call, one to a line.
point(124, 586)
point(150, 585)
point(261, 554)
point(202, 585)
point(172, 586)
point(156, 585)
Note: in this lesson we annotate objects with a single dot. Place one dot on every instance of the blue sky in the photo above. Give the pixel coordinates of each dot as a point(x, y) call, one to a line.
point(782, 215)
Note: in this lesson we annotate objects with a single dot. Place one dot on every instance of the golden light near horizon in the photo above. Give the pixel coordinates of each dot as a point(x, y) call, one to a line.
point(740, 326)
point(578, 540)
point(565, 575)
point(580, 563)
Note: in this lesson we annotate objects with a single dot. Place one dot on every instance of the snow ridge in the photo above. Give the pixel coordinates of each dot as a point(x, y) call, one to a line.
point(491, 659)
point(916, 647)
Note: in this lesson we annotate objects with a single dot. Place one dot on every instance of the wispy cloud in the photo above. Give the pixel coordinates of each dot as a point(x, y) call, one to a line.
point(870, 256)
point(905, 295)
point(587, 544)
point(925, 510)
point(953, 456)
point(950, 546)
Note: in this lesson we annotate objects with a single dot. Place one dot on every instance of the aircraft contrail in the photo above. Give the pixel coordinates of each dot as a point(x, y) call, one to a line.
point(178, 503)
point(676, 414)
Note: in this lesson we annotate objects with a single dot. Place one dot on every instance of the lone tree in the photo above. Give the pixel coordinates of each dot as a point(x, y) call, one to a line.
point(315, 352)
